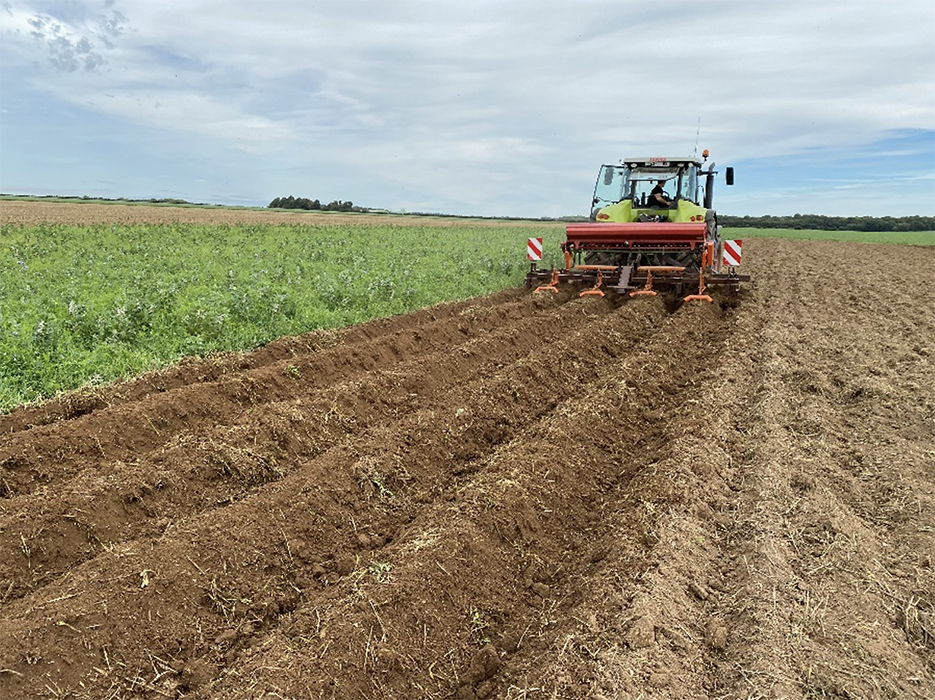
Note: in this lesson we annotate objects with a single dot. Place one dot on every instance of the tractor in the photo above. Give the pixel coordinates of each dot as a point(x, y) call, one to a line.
point(652, 230)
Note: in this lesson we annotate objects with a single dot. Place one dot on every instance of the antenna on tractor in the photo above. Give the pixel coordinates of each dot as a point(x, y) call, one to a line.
point(697, 136)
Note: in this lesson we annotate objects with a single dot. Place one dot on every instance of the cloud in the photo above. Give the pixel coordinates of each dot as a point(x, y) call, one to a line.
point(492, 106)
point(73, 36)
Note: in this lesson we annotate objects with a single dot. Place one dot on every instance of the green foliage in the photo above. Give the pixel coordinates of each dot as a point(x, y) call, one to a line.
point(291, 202)
point(817, 222)
point(83, 305)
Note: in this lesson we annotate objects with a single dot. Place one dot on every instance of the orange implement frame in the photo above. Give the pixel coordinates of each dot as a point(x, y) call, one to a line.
point(647, 289)
point(700, 296)
point(596, 289)
point(707, 260)
point(551, 286)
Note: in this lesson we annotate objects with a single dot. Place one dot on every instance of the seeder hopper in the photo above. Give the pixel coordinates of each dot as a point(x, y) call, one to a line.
point(652, 230)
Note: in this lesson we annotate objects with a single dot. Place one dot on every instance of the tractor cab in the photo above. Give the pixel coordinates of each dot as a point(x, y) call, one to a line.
point(623, 192)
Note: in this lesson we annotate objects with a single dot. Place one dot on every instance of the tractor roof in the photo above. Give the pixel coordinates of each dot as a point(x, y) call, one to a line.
point(661, 161)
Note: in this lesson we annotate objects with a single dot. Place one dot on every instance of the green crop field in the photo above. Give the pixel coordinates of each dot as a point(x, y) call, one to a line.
point(86, 304)
point(90, 304)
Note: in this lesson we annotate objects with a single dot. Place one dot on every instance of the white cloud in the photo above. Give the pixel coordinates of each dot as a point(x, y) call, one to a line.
point(73, 36)
point(533, 93)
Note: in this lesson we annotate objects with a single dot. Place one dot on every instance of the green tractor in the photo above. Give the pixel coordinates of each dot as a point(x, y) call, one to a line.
point(652, 228)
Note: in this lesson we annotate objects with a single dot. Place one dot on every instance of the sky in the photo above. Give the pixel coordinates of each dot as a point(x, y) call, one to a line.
point(488, 107)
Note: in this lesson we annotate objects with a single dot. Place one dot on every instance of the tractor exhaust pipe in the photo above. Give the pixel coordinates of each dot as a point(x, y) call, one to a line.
point(709, 184)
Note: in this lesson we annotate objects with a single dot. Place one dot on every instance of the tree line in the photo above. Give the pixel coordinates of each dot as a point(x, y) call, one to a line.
point(819, 222)
point(291, 202)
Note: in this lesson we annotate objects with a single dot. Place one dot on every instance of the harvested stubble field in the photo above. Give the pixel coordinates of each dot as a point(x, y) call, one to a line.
point(515, 496)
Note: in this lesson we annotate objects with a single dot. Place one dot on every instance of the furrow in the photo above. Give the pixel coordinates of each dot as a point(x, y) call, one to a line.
point(329, 523)
point(44, 456)
point(486, 580)
point(209, 465)
point(194, 371)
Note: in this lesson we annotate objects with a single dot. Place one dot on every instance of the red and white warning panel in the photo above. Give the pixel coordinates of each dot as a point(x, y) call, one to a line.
point(731, 253)
point(534, 249)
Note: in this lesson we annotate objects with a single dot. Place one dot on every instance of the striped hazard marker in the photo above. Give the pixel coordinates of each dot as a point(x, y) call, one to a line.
point(731, 253)
point(534, 249)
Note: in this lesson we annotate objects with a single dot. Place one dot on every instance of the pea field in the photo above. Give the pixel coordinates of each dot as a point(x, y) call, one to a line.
point(87, 304)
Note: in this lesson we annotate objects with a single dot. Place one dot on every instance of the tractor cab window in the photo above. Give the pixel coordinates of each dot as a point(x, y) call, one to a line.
point(611, 185)
point(688, 184)
point(643, 180)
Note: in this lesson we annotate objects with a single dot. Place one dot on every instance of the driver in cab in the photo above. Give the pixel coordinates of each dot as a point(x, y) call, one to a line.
point(658, 198)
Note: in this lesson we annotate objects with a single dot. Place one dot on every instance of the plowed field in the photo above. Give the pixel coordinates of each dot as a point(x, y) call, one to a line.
point(31, 213)
point(515, 496)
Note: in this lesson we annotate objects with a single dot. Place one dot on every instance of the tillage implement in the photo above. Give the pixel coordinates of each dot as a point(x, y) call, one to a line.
point(652, 230)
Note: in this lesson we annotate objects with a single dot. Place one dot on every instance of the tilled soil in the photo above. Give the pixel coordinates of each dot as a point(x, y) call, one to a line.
point(31, 213)
point(516, 496)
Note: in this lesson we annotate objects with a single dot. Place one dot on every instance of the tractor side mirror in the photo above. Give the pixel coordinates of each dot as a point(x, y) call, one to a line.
point(729, 174)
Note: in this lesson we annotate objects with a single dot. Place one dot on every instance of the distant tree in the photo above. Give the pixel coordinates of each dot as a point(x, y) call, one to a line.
point(292, 202)
point(832, 223)
point(338, 205)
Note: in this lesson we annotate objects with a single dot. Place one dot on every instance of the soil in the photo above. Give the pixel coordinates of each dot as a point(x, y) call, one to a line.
point(515, 496)
point(31, 213)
